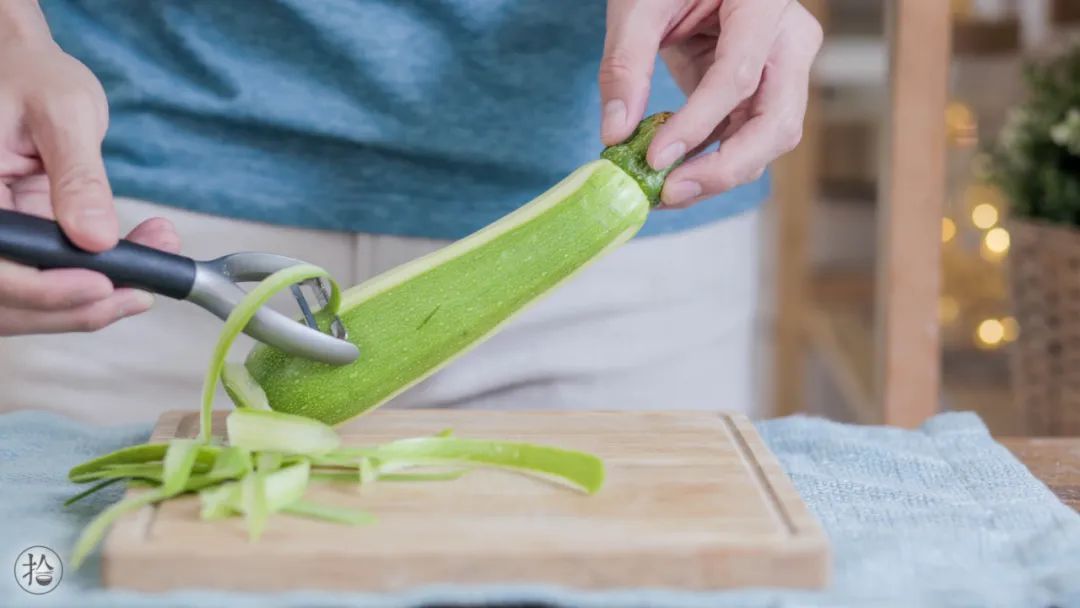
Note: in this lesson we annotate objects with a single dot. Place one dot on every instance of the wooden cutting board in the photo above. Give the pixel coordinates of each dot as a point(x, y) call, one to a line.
point(692, 500)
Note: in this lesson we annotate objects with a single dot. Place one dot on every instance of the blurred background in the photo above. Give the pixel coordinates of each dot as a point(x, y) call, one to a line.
point(1009, 342)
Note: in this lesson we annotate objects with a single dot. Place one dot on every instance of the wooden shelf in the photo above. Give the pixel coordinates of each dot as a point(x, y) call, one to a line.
point(841, 342)
point(903, 69)
point(1065, 12)
point(854, 189)
point(839, 332)
point(852, 61)
point(980, 38)
point(861, 59)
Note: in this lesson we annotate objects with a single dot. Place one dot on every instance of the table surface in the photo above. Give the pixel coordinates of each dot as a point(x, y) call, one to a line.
point(1054, 460)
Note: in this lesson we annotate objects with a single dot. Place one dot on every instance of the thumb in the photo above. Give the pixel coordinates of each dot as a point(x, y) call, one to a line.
point(69, 142)
point(634, 31)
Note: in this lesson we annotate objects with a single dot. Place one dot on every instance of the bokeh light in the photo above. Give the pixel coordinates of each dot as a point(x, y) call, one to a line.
point(984, 216)
point(990, 333)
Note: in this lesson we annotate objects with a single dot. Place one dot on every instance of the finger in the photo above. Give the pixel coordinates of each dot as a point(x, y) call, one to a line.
point(717, 134)
point(91, 317)
point(158, 233)
point(7, 201)
point(725, 129)
point(634, 31)
point(31, 195)
point(688, 61)
point(60, 289)
point(774, 129)
point(740, 159)
point(694, 20)
point(68, 132)
point(14, 165)
point(747, 31)
point(738, 117)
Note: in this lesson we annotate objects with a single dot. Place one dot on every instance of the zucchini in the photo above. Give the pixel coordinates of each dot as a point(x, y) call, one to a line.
point(415, 319)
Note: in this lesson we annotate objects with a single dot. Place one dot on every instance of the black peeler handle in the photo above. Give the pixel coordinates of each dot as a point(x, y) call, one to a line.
point(38, 242)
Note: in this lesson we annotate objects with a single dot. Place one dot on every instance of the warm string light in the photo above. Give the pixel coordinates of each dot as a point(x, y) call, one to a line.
point(986, 205)
point(1011, 327)
point(948, 229)
point(980, 193)
point(960, 125)
point(992, 333)
point(948, 310)
point(997, 240)
point(984, 216)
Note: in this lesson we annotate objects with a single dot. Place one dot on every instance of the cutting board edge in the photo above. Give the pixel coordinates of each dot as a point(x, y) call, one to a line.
point(800, 520)
point(168, 423)
point(801, 564)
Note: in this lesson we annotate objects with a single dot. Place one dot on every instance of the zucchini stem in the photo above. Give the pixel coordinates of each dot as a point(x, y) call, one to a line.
point(630, 157)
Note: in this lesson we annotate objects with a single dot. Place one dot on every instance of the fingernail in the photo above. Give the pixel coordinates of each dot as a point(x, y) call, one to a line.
point(93, 219)
point(680, 192)
point(138, 302)
point(614, 118)
point(669, 155)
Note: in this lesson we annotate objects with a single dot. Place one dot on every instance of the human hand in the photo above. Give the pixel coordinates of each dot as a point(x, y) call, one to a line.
point(53, 117)
point(745, 68)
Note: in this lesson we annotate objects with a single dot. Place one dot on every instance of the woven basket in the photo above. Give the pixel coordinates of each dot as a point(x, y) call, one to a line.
point(1044, 285)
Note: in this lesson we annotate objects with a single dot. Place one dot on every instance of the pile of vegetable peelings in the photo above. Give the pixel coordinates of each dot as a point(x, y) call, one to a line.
point(270, 458)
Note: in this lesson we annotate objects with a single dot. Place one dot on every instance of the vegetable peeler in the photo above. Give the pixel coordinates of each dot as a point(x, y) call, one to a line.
point(211, 284)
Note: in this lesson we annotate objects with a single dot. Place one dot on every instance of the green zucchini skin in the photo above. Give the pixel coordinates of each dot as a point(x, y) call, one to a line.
point(414, 319)
point(630, 157)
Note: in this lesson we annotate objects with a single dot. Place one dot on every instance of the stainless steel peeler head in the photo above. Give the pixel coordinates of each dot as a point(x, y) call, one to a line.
point(216, 290)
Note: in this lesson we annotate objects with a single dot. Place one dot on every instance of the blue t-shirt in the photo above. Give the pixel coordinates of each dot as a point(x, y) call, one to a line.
point(410, 117)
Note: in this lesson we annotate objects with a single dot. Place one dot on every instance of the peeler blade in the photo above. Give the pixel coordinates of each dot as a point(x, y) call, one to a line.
point(216, 290)
point(321, 290)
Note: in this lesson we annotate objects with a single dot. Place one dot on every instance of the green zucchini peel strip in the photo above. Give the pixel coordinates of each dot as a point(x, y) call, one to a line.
point(176, 469)
point(578, 468)
point(243, 313)
point(95, 530)
point(258, 430)
point(338, 515)
point(242, 388)
point(91, 490)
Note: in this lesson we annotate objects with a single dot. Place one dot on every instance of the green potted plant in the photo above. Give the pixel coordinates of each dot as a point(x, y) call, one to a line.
point(1036, 163)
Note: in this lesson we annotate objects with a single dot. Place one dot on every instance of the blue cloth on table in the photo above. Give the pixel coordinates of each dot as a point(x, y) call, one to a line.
point(940, 516)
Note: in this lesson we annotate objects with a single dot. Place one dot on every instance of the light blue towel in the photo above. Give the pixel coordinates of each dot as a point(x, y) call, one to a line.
point(942, 516)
